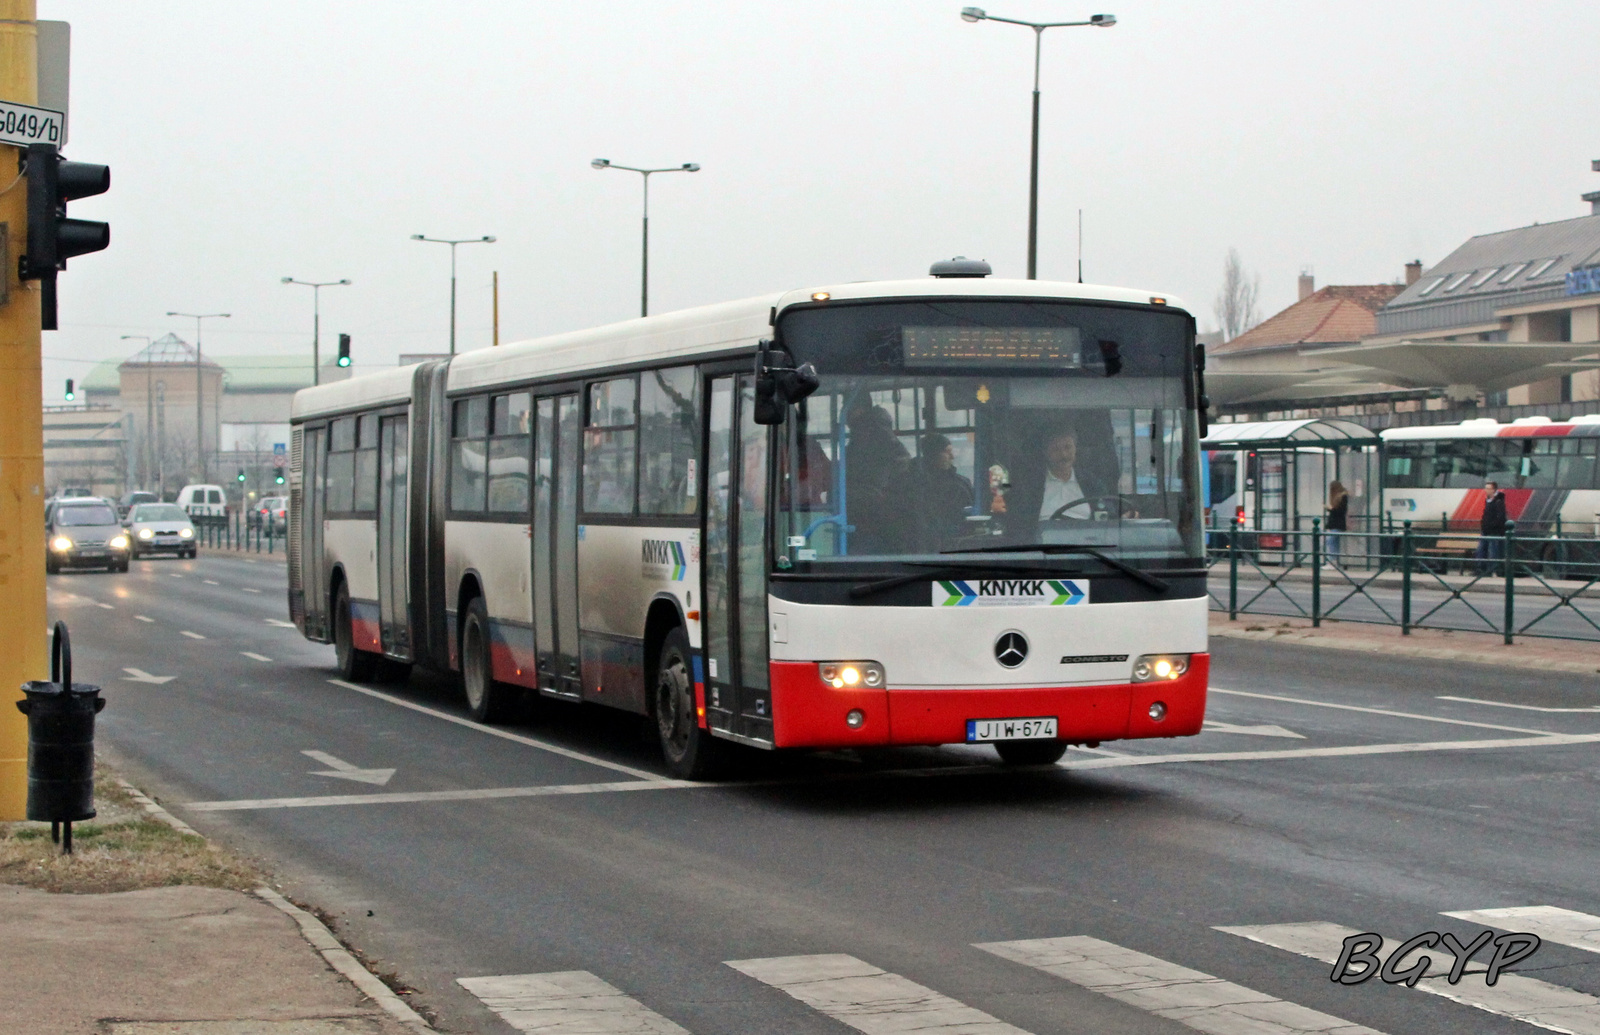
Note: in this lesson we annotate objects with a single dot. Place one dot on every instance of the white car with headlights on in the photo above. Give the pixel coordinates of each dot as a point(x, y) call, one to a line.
point(160, 528)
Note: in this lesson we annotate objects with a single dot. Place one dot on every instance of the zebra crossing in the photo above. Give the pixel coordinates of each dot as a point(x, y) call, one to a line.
point(863, 996)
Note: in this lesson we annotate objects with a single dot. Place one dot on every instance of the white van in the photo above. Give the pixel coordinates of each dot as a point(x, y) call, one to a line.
point(203, 502)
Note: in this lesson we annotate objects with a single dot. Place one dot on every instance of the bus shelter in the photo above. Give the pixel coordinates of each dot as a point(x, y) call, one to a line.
point(1274, 476)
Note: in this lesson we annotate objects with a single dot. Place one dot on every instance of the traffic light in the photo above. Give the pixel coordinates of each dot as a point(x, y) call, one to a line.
point(344, 350)
point(71, 395)
point(278, 480)
point(241, 476)
point(52, 237)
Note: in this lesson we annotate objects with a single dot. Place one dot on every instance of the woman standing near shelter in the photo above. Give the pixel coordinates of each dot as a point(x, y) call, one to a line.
point(1338, 519)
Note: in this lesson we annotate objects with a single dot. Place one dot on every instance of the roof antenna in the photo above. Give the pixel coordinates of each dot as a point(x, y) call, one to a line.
point(1080, 246)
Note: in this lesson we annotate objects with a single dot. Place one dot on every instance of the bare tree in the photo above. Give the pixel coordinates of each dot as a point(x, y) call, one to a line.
point(1235, 307)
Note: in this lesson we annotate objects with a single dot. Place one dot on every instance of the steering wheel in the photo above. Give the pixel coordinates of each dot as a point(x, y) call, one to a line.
point(1121, 505)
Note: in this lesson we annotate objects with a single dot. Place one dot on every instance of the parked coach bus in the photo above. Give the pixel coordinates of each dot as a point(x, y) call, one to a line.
point(952, 510)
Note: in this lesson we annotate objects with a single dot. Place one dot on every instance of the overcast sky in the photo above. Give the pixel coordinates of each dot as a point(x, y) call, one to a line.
point(840, 141)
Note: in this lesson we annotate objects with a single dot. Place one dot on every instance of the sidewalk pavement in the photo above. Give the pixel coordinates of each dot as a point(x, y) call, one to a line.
point(182, 960)
point(1575, 656)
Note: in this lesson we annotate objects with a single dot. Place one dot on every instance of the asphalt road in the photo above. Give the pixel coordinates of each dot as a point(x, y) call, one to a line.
point(1338, 794)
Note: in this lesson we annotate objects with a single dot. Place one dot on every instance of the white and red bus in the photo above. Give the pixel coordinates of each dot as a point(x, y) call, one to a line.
point(951, 510)
point(1549, 471)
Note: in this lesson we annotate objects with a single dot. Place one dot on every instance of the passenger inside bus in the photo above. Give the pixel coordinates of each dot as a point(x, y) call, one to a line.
point(946, 492)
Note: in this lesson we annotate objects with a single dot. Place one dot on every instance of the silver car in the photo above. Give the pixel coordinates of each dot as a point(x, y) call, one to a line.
point(160, 528)
point(84, 533)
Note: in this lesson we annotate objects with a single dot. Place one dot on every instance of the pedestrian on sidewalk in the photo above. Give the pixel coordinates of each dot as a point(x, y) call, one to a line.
point(1338, 519)
point(1492, 526)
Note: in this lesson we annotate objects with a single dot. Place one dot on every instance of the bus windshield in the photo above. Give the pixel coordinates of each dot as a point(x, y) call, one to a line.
point(946, 426)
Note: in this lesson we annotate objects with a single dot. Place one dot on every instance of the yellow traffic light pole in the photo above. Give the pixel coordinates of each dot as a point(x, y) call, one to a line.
point(22, 600)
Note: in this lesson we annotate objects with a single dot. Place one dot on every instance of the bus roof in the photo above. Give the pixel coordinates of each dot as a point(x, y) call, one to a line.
point(729, 326)
point(381, 389)
point(1488, 427)
point(725, 326)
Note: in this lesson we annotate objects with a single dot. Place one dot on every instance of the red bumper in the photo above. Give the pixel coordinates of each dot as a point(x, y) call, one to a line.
point(807, 712)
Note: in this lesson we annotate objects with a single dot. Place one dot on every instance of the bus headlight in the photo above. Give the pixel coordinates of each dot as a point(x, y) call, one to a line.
point(61, 543)
point(186, 533)
point(1150, 668)
point(119, 542)
point(145, 533)
point(840, 674)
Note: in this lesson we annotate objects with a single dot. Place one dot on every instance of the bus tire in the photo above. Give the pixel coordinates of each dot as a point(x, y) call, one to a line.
point(691, 753)
point(487, 701)
point(1030, 752)
point(355, 666)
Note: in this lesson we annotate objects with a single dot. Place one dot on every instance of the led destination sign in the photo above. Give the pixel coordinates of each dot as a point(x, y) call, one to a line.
point(963, 346)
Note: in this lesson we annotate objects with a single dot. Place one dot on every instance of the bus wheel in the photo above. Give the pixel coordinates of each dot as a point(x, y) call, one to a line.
point(354, 665)
point(487, 701)
point(1030, 752)
point(691, 752)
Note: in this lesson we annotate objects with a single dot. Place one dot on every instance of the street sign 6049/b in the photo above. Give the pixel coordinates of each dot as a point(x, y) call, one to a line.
point(23, 124)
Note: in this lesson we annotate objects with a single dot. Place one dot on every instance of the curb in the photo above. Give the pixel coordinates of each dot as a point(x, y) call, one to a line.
point(313, 930)
point(340, 959)
point(1411, 650)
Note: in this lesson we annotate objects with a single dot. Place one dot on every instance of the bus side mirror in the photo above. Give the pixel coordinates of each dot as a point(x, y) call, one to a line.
point(779, 383)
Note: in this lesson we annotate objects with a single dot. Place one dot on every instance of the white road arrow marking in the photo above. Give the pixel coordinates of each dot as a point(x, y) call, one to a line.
point(139, 675)
point(280, 623)
point(343, 770)
point(1214, 726)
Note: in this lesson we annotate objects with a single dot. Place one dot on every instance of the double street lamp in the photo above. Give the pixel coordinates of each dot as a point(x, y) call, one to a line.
point(316, 320)
point(199, 410)
point(644, 276)
point(1099, 21)
point(485, 239)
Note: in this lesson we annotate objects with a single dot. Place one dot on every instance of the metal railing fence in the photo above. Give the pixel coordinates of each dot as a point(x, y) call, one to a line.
point(1433, 577)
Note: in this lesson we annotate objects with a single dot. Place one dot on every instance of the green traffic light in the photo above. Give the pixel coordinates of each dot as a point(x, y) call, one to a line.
point(344, 361)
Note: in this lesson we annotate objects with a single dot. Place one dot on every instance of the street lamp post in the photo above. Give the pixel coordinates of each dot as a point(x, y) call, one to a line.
point(199, 411)
point(316, 320)
point(486, 239)
point(149, 405)
point(1100, 21)
point(644, 274)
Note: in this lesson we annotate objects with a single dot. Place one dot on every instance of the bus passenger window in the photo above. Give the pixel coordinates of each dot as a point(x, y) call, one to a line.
point(366, 487)
point(608, 442)
point(509, 423)
point(342, 465)
point(470, 421)
point(669, 422)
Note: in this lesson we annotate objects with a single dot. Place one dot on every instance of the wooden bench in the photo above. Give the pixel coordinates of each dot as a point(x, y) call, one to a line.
point(1447, 547)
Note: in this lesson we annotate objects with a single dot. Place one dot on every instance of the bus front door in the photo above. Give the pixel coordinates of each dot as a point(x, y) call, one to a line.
point(314, 496)
point(555, 544)
point(738, 698)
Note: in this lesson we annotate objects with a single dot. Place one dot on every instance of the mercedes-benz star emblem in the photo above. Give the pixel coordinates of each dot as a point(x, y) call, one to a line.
point(1011, 649)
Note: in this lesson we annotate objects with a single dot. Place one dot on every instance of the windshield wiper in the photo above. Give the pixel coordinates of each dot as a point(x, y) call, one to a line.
point(867, 589)
point(1144, 578)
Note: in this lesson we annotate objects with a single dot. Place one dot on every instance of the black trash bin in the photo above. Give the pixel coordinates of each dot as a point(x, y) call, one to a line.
point(60, 742)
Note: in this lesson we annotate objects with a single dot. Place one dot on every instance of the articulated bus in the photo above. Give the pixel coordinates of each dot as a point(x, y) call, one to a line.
point(1549, 470)
point(923, 512)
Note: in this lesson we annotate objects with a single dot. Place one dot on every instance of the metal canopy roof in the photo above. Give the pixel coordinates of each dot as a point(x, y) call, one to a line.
point(1484, 366)
point(1271, 434)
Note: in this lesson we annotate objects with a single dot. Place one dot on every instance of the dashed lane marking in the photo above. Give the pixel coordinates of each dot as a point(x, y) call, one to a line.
point(279, 622)
point(868, 999)
point(1124, 761)
point(174, 575)
point(1523, 707)
point(567, 1001)
point(1512, 995)
point(404, 797)
point(1551, 923)
point(1371, 711)
point(192, 636)
point(211, 582)
point(108, 607)
point(250, 589)
point(518, 738)
point(144, 618)
point(254, 656)
point(1152, 984)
